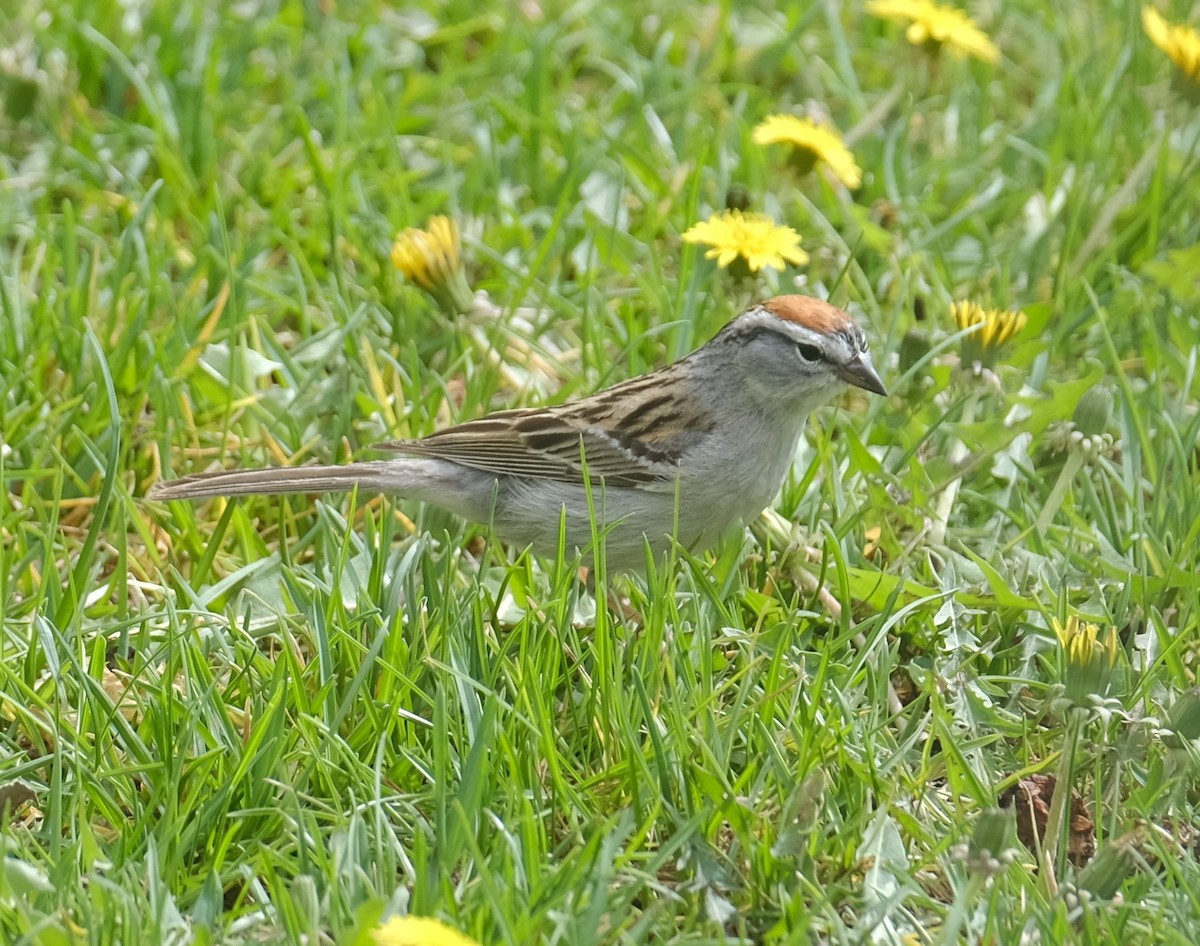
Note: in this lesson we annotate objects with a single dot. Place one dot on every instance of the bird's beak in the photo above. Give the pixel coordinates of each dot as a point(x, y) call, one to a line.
point(861, 373)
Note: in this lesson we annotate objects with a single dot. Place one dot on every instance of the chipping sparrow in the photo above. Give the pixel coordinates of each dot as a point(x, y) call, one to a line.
point(687, 450)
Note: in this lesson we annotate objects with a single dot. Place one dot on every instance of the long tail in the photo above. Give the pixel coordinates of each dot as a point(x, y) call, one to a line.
point(375, 475)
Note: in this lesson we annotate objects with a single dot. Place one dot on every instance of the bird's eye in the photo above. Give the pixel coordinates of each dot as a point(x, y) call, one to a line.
point(809, 352)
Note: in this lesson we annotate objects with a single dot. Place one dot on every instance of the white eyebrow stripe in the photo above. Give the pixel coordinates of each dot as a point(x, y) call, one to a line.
point(838, 345)
point(759, 318)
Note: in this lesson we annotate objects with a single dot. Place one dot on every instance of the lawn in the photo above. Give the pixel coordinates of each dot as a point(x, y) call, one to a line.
point(946, 693)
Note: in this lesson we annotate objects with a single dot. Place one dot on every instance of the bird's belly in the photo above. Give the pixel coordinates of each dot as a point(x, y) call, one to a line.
point(624, 518)
point(696, 515)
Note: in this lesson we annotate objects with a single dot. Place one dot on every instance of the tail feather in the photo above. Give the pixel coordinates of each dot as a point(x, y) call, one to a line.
point(377, 476)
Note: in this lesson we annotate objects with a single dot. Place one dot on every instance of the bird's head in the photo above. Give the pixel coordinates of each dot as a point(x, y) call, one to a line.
point(799, 352)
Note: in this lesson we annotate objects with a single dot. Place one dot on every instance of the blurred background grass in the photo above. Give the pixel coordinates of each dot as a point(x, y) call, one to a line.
point(278, 720)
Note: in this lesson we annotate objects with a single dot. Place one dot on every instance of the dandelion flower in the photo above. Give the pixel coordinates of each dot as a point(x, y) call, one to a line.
point(938, 26)
point(813, 144)
point(1088, 659)
point(1179, 42)
point(432, 258)
point(753, 238)
point(418, 931)
point(998, 327)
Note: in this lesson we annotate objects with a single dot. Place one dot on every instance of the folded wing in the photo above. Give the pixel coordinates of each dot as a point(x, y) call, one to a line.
point(630, 435)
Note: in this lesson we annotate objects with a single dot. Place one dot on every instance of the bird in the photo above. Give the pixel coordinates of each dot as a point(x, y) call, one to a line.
point(681, 454)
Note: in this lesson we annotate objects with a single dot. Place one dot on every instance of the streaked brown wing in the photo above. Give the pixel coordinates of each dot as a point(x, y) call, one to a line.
point(532, 443)
point(630, 436)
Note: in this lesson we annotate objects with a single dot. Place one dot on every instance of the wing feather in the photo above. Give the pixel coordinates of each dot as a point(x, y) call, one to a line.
point(628, 435)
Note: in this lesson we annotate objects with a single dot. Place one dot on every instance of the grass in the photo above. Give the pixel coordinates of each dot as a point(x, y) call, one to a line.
point(281, 720)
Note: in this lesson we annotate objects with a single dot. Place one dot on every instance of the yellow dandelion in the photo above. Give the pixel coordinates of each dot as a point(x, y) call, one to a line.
point(418, 931)
point(426, 256)
point(1180, 42)
point(938, 26)
point(1088, 659)
point(813, 144)
point(754, 238)
point(998, 327)
point(432, 258)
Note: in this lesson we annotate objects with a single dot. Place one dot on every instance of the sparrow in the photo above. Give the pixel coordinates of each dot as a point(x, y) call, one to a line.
point(683, 453)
